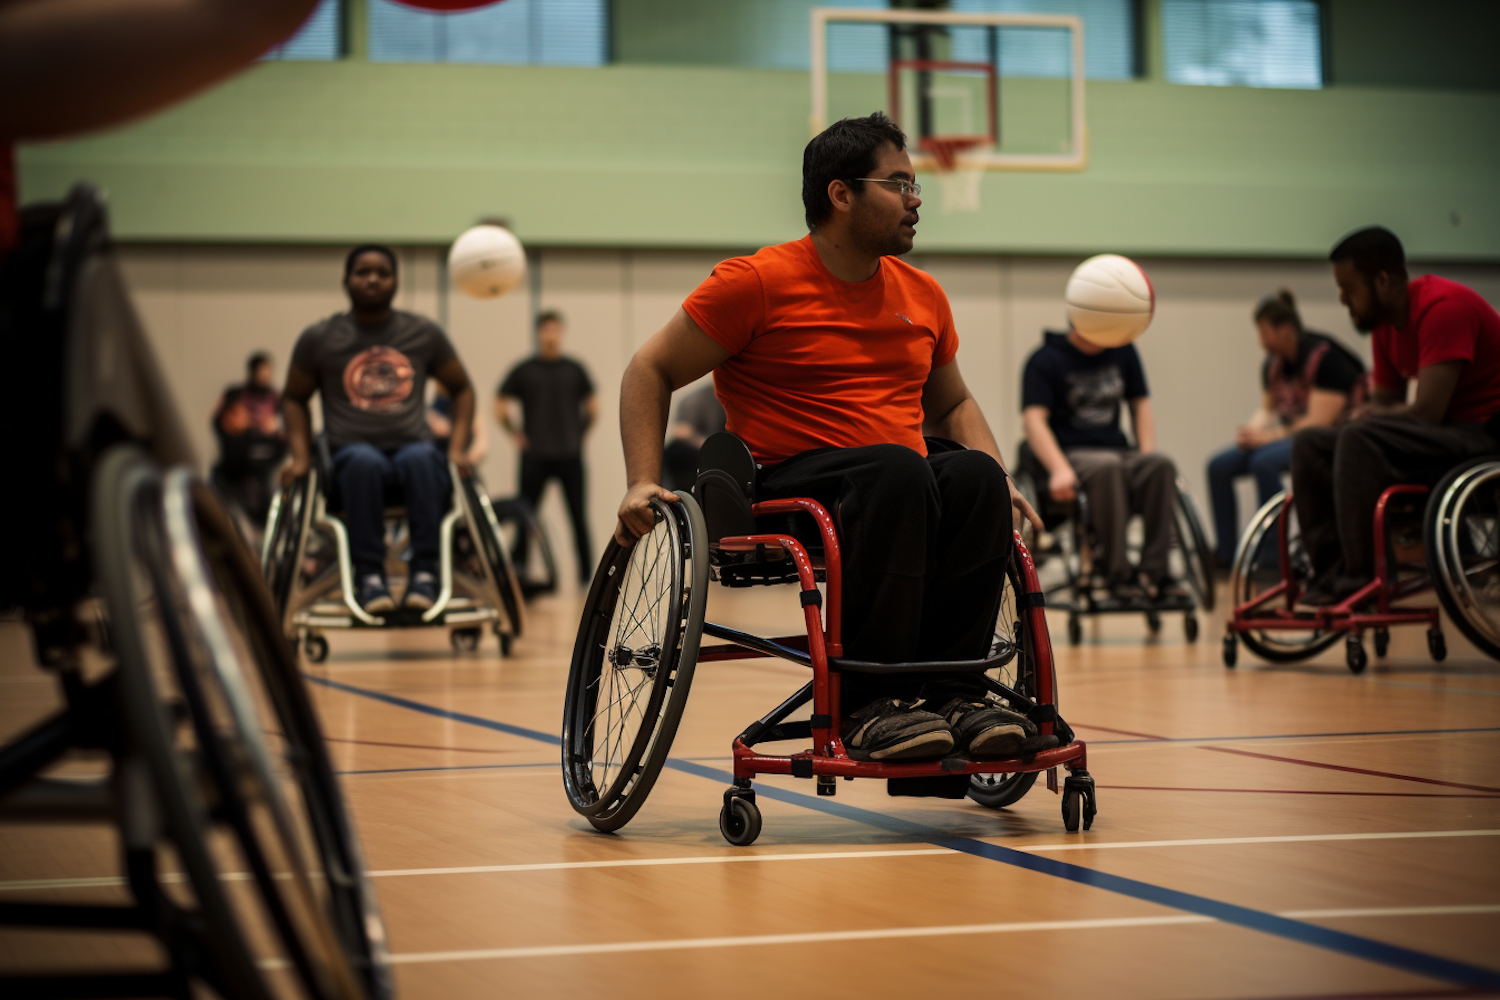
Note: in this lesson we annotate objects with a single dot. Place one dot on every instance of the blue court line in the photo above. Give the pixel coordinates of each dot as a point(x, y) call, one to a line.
point(1293, 736)
point(1393, 956)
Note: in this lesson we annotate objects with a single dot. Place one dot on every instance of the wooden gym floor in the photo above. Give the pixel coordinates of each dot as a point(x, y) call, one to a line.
point(1272, 831)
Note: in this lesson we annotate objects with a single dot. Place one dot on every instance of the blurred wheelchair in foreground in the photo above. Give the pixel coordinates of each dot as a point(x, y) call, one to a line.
point(1072, 570)
point(1445, 539)
point(182, 700)
point(307, 565)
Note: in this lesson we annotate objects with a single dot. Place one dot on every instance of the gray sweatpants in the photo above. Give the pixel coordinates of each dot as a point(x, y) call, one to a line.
point(1338, 473)
point(1119, 484)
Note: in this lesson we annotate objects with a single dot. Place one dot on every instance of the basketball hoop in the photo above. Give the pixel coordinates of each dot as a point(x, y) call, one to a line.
point(958, 177)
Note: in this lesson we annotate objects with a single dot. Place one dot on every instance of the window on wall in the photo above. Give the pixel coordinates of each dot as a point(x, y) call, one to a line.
point(1243, 43)
point(516, 32)
point(1109, 30)
point(321, 37)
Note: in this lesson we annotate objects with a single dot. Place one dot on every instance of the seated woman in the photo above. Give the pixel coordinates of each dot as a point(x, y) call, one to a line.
point(1310, 380)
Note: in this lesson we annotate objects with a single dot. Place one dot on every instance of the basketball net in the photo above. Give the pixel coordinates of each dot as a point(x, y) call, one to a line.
point(958, 176)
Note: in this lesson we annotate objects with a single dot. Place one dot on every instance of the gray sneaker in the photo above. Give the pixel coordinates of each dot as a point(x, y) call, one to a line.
point(375, 596)
point(890, 729)
point(985, 731)
point(421, 592)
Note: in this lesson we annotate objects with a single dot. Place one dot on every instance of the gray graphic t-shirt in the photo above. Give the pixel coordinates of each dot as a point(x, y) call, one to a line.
point(372, 379)
point(1083, 392)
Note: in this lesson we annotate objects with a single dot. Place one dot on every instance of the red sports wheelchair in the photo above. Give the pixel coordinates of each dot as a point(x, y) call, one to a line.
point(639, 642)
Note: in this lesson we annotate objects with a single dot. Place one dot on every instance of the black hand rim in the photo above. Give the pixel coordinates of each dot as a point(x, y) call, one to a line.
point(1450, 505)
point(641, 763)
point(502, 577)
point(124, 488)
point(1242, 584)
point(282, 541)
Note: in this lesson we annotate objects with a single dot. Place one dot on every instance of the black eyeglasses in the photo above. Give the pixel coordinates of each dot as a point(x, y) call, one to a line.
point(907, 188)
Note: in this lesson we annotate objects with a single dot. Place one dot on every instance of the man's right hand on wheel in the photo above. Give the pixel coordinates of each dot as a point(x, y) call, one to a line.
point(636, 514)
point(294, 470)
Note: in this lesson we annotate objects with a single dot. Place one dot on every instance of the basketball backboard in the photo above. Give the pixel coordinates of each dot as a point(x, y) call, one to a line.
point(994, 91)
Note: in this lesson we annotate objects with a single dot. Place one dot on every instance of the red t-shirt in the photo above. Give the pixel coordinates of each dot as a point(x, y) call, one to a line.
point(9, 224)
point(1447, 322)
point(818, 361)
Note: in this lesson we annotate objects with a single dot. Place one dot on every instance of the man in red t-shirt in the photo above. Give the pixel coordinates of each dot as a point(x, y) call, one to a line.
point(1430, 329)
point(831, 357)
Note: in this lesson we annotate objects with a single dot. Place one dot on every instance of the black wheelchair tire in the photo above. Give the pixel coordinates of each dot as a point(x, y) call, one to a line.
point(1443, 561)
point(612, 806)
point(492, 551)
point(123, 476)
point(996, 791)
point(288, 519)
point(1201, 568)
point(1239, 582)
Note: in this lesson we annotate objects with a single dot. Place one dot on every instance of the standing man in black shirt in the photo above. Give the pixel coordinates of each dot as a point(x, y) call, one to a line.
point(371, 365)
point(1070, 407)
point(558, 407)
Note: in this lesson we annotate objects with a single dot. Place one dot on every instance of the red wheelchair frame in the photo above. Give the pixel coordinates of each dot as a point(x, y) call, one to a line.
point(1344, 617)
point(821, 647)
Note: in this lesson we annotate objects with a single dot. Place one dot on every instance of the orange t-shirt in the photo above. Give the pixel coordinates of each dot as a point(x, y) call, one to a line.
point(818, 361)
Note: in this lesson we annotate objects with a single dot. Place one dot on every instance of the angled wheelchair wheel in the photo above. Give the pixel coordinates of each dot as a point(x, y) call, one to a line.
point(1257, 568)
point(537, 572)
point(1192, 544)
point(633, 664)
point(124, 497)
point(484, 530)
point(995, 791)
point(281, 548)
point(1462, 528)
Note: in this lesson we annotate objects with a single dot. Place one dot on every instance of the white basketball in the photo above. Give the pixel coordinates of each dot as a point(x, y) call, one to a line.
point(486, 262)
point(1110, 300)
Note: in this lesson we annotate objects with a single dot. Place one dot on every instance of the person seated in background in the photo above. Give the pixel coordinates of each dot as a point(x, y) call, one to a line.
point(699, 415)
point(1071, 393)
point(1436, 331)
point(1309, 380)
point(252, 442)
point(371, 366)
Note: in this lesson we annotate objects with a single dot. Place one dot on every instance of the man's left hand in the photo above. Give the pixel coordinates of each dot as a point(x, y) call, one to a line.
point(1020, 508)
point(460, 460)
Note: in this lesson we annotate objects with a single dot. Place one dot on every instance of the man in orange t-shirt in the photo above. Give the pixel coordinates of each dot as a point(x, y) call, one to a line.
point(831, 357)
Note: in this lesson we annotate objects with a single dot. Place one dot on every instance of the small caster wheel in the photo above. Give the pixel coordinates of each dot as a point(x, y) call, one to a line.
point(315, 648)
point(1354, 654)
point(1153, 623)
point(1072, 810)
point(1190, 627)
point(465, 640)
point(1437, 646)
point(739, 820)
point(1382, 642)
point(1075, 630)
point(1231, 650)
point(506, 641)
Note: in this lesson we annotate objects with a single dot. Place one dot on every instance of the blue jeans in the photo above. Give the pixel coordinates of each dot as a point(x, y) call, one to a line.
point(1265, 463)
point(364, 473)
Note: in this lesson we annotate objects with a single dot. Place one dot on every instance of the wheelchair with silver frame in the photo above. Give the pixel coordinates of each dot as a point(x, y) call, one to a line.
point(639, 643)
point(1445, 538)
point(307, 565)
point(181, 698)
point(1068, 559)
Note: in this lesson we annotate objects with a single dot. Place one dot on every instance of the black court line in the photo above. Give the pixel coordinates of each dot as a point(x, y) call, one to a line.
point(1351, 945)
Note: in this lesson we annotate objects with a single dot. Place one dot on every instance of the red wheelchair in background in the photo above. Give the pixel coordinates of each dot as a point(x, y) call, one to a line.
point(639, 642)
point(1445, 539)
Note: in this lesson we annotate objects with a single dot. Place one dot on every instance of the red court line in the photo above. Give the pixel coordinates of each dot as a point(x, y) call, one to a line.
point(1122, 732)
point(1297, 791)
point(413, 746)
point(1352, 770)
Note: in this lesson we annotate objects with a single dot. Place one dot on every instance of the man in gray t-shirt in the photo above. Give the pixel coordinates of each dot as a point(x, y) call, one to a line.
point(370, 366)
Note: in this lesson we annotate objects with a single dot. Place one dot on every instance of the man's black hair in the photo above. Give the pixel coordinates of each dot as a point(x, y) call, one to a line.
point(1372, 250)
point(255, 361)
point(841, 152)
point(547, 316)
point(365, 248)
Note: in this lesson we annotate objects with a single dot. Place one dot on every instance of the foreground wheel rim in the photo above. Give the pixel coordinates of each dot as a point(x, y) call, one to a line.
point(1469, 542)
